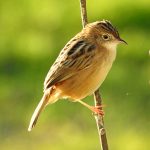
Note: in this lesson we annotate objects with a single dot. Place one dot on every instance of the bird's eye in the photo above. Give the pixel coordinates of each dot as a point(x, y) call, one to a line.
point(106, 37)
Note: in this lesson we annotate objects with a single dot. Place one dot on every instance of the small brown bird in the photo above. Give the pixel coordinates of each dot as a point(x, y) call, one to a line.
point(81, 66)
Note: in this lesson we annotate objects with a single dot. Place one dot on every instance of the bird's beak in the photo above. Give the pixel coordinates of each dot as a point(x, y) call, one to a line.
point(122, 41)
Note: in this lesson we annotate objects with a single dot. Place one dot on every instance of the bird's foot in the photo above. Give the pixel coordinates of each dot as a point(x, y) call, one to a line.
point(97, 110)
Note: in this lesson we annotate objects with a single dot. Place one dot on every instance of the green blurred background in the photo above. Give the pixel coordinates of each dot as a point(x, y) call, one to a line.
point(32, 32)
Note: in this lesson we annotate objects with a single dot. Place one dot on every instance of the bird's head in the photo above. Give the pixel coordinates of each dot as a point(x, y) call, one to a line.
point(106, 33)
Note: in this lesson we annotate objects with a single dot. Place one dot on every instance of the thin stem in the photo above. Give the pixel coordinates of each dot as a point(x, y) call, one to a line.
point(83, 12)
point(100, 122)
point(97, 97)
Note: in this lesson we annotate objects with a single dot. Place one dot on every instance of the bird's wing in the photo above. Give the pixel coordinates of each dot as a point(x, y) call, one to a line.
point(75, 56)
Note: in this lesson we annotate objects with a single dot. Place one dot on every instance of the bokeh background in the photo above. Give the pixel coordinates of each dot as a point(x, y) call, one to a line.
point(32, 32)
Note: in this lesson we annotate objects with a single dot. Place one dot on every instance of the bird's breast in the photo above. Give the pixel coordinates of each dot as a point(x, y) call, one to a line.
point(86, 81)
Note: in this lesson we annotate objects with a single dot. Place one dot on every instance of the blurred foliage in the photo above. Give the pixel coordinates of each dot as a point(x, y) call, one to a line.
point(32, 32)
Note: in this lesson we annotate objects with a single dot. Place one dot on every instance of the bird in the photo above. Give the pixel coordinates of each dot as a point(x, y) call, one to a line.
point(81, 67)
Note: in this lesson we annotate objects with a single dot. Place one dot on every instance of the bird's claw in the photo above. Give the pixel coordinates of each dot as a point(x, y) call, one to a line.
point(97, 110)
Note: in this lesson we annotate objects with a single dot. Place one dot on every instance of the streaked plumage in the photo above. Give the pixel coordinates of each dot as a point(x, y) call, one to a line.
point(81, 66)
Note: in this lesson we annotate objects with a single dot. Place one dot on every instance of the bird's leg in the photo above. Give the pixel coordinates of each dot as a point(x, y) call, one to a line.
point(94, 109)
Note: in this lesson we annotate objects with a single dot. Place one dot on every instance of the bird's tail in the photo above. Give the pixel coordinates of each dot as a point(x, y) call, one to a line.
point(44, 101)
